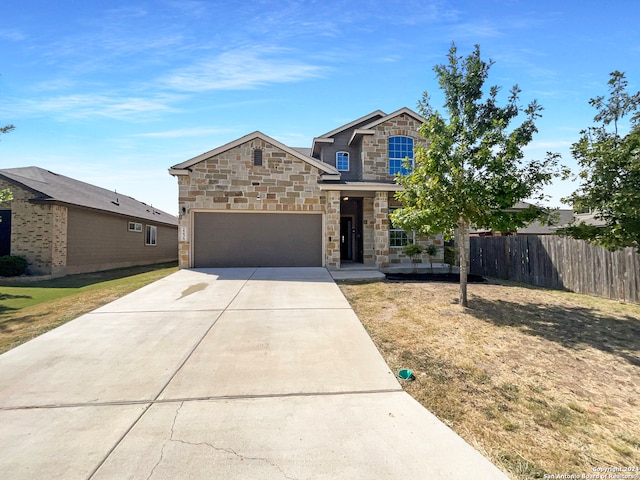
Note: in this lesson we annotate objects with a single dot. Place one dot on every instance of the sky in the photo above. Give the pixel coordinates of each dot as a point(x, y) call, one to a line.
point(114, 93)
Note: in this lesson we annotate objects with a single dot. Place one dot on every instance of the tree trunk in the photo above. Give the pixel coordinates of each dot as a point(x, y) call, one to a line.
point(463, 238)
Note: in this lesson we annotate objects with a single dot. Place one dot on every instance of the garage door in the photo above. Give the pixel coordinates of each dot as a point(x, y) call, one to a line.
point(257, 239)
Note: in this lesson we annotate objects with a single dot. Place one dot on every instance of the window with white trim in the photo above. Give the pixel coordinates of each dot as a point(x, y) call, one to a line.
point(397, 236)
point(135, 227)
point(400, 149)
point(342, 161)
point(151, 235)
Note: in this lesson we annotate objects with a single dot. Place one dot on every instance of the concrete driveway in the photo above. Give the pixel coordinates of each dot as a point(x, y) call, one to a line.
point(219, 374)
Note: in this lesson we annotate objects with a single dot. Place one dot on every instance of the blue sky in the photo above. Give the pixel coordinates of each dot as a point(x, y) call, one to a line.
point(114, 93)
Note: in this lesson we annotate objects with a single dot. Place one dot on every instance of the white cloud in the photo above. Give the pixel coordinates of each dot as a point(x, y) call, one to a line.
point(12, 34)
point(98, 105)
point(241, 68)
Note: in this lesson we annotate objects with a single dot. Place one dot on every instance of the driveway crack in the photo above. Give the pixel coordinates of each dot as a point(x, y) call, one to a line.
point(173, 424)
point(238, 455)
point(209, 445)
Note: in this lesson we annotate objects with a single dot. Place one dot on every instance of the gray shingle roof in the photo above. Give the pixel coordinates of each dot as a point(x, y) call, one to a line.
point(52, 187)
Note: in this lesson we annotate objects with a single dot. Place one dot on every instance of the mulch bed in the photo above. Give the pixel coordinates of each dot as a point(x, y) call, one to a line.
point(433, 277)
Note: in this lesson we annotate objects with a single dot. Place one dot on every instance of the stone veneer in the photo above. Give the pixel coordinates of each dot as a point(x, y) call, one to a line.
point(333, 230)
point(381, 229)
point(375, 148)
point(33, 228)
point(230, 181)
point(60, 216)
point(397, 256)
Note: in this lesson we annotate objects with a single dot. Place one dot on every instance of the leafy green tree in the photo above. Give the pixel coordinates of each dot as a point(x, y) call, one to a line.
point(610, 171)
point(5, 195)
point(471, 168)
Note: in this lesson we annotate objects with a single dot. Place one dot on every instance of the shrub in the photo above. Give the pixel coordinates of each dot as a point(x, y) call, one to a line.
point(413, 250)
point(12, 266)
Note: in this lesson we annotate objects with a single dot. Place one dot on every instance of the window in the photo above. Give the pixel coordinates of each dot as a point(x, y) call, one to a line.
point(397, 236)
point(400, 148)
point(342, 161)
point(257, 157)
point(151, 235)
point(135, 227)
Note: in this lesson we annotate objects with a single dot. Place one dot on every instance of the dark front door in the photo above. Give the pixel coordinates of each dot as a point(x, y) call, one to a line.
point(5, 232)
point(351, 230)
point(347, 232)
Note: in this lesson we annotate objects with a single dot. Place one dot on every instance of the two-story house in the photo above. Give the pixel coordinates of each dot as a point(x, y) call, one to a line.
point(257, 202)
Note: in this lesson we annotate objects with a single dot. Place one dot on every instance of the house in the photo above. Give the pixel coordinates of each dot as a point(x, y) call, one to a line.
point(557, 219)
point(258, 202)
point(64, 226)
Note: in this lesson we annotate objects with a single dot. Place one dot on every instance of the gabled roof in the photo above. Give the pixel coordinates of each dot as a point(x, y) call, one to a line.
point(371, 116)
point(51, 187)
point(403, 110)
point(327, 137)
point(182, 168)
point(368, 128)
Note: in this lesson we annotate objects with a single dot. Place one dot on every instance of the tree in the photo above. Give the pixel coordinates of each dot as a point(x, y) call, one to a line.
point(610, 171)
point(471, 168)
point(5, 195)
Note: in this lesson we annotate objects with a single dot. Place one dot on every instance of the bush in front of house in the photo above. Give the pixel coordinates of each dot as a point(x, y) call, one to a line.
point(12, 266)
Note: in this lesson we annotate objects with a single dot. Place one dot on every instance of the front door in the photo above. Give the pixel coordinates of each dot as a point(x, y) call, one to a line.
point(5, 232)
point(347, 233)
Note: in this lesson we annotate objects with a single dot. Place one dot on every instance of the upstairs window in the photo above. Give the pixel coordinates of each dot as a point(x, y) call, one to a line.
point(257, 157)
point(342, 161)
point(400, 148)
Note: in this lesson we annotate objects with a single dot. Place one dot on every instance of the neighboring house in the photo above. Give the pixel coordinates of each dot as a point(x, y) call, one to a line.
point(65, 226)
point(257, 202)
point(559, 218)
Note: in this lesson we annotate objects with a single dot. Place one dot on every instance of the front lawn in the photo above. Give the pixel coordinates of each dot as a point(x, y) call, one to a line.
point(32, 308)
point(540, 381)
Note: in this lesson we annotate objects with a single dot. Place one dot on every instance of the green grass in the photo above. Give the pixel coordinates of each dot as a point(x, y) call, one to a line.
point(32, 308)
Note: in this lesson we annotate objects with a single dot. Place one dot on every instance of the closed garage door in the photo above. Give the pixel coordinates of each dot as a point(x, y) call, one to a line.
point(257, 240)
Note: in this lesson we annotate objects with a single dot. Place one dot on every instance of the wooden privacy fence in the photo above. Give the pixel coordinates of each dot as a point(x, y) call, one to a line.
point(559, 262)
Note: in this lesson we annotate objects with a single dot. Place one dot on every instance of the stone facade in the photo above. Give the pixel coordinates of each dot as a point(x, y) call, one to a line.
point(226, 179)
point(32, 229)
point(230, 181)
point(333, 230)
point(375, 148)
point(381, 229)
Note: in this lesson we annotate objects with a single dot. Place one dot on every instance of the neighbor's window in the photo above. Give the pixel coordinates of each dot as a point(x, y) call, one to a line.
point(397, 236)
point(151, 235)
point(257, 157)
point(135, 227)
point(400, 148)
point(342, 161)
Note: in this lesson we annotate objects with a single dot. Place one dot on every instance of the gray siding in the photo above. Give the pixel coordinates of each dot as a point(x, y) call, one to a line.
point(341, 144)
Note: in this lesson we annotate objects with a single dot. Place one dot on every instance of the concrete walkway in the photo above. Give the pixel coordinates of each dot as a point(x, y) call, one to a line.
point(219, 374)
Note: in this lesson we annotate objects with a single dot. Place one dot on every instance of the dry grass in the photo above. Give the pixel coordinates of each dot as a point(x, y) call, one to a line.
point(540, 381)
